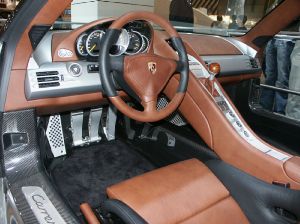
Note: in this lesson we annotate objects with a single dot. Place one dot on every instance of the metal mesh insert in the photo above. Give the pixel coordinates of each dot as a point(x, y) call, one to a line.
point(55, 136)
point(175, 118)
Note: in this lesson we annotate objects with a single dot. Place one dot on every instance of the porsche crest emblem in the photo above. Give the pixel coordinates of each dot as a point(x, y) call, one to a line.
point(152, 67)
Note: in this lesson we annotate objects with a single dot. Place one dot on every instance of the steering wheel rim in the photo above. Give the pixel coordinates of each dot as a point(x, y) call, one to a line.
point(156, 71)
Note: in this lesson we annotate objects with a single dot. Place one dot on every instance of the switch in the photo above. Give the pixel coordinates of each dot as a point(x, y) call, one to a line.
point(75, 69)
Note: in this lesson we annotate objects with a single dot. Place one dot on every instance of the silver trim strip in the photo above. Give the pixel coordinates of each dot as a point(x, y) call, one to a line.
point(42, 207)
point(242, 130)
point(280, 89)
point(244, 48)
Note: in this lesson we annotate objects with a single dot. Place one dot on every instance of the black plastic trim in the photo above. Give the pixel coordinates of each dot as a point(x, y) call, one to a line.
point(256, 198)
point(261, 41)
point(37, 33)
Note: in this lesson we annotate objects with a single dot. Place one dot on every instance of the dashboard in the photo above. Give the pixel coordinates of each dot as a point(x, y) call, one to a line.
point(66, 63)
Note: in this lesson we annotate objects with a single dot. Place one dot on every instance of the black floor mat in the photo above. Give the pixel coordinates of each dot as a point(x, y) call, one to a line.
point(84, 176)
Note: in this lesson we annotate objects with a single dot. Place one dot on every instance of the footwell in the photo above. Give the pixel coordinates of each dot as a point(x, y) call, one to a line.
point(85, 175)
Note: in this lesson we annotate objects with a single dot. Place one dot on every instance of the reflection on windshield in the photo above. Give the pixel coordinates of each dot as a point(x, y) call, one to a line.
point(224, 17)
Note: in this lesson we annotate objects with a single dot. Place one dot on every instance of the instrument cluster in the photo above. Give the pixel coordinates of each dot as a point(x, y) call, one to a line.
point(134, 39)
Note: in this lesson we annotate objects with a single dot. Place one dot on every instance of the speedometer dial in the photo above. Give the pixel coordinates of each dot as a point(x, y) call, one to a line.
point(81, 48)
point(135, 44)
point(93, 42)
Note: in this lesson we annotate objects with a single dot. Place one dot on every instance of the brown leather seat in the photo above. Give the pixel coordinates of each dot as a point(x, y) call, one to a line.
point(186, 192)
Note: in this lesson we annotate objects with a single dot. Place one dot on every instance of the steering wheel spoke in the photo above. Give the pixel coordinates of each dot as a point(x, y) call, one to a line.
point(150, 106)
point(117, 63)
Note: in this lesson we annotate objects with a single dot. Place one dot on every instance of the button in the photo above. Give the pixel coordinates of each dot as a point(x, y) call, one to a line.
point(93, 68)
point(230, 116)
point(238, 124)
point(75, 70)
point(246, 134)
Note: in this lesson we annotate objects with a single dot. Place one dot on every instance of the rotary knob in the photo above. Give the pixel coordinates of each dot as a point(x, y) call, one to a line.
point(75, 69)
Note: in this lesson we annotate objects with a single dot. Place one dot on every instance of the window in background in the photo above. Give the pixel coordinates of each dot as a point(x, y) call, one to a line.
point(218, 17)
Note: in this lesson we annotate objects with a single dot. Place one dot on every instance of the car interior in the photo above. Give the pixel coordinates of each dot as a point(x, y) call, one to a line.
point(129, 120)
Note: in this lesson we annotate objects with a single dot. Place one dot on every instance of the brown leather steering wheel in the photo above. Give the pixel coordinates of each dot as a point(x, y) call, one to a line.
point(142, 76)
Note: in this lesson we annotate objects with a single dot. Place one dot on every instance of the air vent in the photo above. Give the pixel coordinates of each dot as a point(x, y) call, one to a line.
point(253, 63)
point(48, 79)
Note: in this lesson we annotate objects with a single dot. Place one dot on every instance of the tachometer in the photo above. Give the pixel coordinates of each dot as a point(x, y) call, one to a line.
point(80, 45)
point(146, 44)
point(135, 44)
point(92, 42)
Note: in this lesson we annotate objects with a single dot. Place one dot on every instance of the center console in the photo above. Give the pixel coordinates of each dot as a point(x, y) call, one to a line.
point(222, 102)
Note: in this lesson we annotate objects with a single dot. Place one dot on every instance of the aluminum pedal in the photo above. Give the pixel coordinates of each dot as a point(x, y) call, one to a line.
point(111, 120)
point(94, 122)
point(55, 136)
point(76, 125)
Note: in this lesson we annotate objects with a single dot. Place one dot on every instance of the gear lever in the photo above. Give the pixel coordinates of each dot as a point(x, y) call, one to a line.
point(214, 70)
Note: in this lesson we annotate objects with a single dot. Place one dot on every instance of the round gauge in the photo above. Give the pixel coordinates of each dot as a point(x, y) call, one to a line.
point(135, 43)
point(121, 45)
point(81, 48)
point(146, 44)
point(92, 42)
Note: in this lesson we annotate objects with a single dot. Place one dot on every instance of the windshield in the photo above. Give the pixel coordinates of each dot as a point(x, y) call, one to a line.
point(231, 17)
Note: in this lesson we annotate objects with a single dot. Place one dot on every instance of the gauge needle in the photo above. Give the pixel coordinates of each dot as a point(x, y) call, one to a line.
point(81, 48)
point(93, 47)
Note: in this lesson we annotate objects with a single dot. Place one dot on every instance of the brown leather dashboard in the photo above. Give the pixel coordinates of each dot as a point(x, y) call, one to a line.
point(16, 100)
point(210, 45)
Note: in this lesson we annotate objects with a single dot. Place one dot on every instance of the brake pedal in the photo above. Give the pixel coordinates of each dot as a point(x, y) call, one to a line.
point(76, 126)
point(94, 122)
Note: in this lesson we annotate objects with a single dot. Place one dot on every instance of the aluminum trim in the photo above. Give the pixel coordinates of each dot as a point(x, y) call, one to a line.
point(42, 207)
point(280, 89)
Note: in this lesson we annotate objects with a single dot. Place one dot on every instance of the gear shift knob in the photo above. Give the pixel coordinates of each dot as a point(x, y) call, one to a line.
point(214, 70)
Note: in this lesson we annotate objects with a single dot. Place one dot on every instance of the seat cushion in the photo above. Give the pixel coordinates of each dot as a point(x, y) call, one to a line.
point(185, 192)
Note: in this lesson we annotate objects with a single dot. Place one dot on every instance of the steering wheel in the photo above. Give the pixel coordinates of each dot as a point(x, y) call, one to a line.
point(142, 76)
